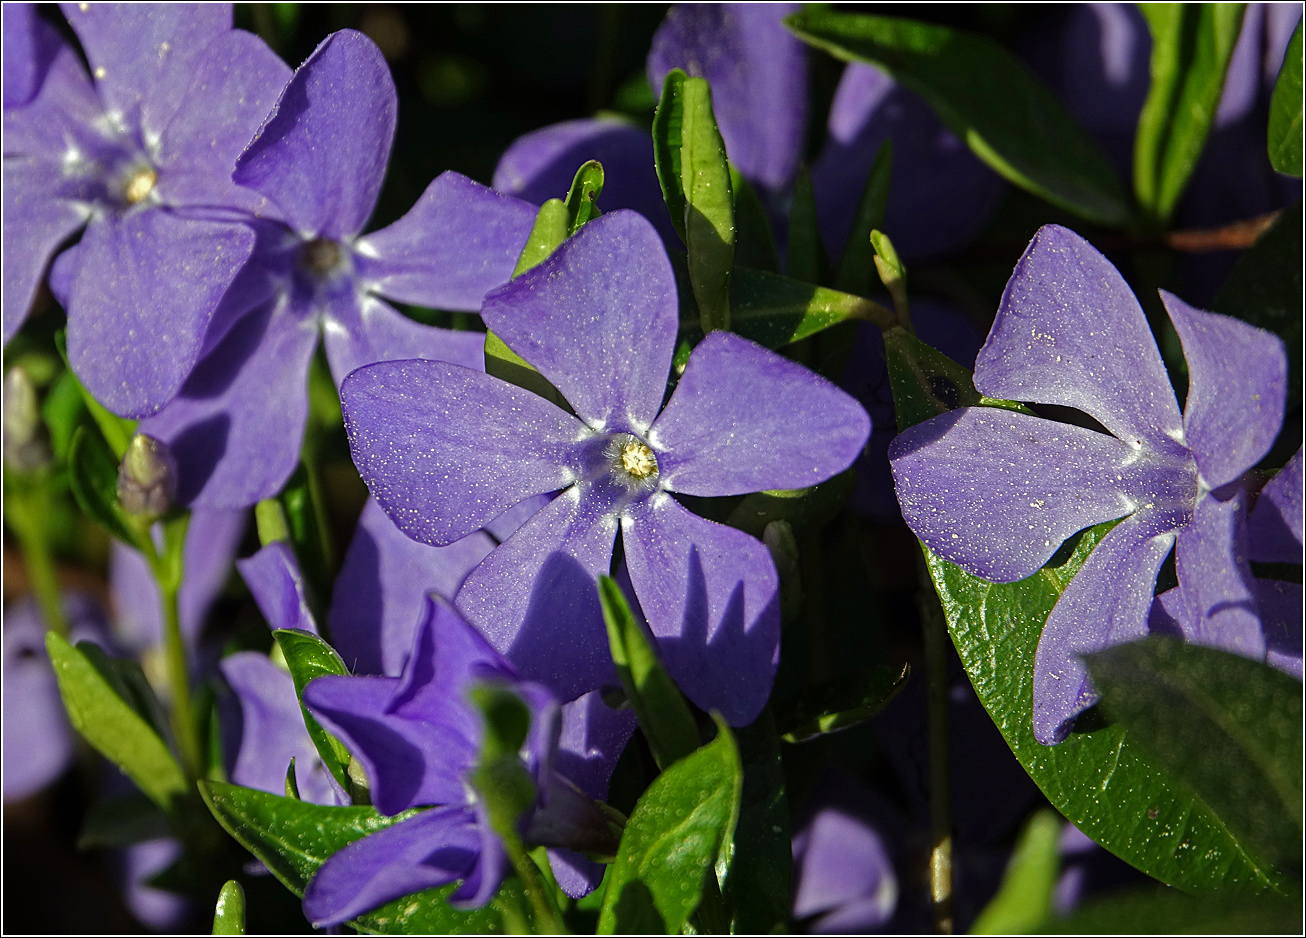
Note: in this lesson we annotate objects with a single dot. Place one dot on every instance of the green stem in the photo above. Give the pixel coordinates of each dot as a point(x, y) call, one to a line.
point(31, 506)
point(183, 714)
point(935, 632)
point(547, 917)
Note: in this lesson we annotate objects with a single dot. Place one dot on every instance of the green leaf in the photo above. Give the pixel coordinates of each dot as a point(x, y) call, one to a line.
point(842, 702)
point(754, 240)
point(127, 679)
point(110, 724)
point(507, 365)
point(690, 158)
point(93, 477)
point(672, 841)
point(64, 411)
point(1265, 289)
point(581, 200)
point(1285, 137)
point(988, 98)
point(552, 225)
point(122, 821)
point(857, 263)
point(1025, 898)
point(806, 260)
point(813, 505)
point(294, 838)
point(117, 431)
point(1191, 46)
point(229, 914)
point(292, 783)
point(307, 537)
point(1098, 778)
point(659, 706)
point(307, 657)
point(756, 867)
point(927, 383)
point(1170, 912)
point(1228, 728)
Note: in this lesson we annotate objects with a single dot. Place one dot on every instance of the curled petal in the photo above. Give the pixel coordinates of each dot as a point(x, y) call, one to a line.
point(1070, 332)
point(1238, 381)
point(711, 596)
point(273, 576)
point(996, 492)
point(1275, 527)
point(1105, 604)
point(744, 419)
point(598, 318)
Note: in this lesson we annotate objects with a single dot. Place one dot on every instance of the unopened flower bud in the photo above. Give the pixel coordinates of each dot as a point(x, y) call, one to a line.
point(147, 478)
point(25, 447)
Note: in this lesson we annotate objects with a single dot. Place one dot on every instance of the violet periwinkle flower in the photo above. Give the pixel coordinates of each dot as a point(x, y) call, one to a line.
point(418, 738)
point(319, 159)
point(445, 449)
point(996, 491)
point(142, 158)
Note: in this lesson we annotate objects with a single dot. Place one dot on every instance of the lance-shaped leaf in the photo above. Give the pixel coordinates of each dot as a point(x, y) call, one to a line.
point(113, 727)
point(1152, 821)
point(1024, 899)
point(582, 200)
point(1285, 135)
point(840, 703)
point(1228, 728)
point(1191, 47)
point(988, 98)
point(754, 239)
point(229, 913)
point(672, 841)
point(856, 271)
point(806, 251)
point(294, 838)
point(691, 165)
point(661, 709)
point(93, 477)
point(307, 657)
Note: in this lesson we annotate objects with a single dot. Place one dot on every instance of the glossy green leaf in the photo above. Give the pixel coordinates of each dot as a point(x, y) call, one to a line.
point(756, 867)
point(856, 271)
point(307, 657)
point(1024, 899)
point(113, 727)
point(583, 198)
point(690, 158)
point(754, 239)
point(806, 258)
point(551, 228)
point(294, 838)
point(122, 821)
point(127, 679)
point(837, 704)
point(1228, 728)
point(1265, 289)
point(927, 383)
point(988, 98)
point(117, 431)
point(229, 913)
point(1191, 46)
point(659, 706)
point(1171, 912)
point(672, 841)
point(1098, 778)
point(1285, 136)
point(93, 477)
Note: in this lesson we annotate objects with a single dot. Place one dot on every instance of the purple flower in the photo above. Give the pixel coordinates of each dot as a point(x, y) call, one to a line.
point(142, 158)
point(319, 159)
point(996, 492)
point(417, 738)
point(444, 450)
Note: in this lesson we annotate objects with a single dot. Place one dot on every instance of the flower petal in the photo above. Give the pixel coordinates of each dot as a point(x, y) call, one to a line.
point(744, 419)
point(758, 72)
point(1216, 589)
point(36, 222)
point(1238, 380)
point(1275, 526)
point(133, 336)
point(38, 742)
point(142, 55)
point(322, 153)
point(63, 117)
point(711, 596)
point(598, 318)
point(1280, 606)
point(361, 330)
point(942, 195)
point(1105, 604)
point(30, 46)
point(996, 492)
point(459, 241)
point(431, 849)
point(236, 426)
point(1070, 332)
point(445, 449)
point(540, 165)
point(274, 579)
point(381, 590)
point(535, 597)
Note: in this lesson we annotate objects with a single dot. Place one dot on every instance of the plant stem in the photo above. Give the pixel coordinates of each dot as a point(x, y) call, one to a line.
point(36, 554)
point(935, 633)
point(548, 919)
point(183, 715)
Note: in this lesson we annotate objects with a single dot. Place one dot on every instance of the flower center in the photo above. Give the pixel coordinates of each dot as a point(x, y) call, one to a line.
point(140, 185)
point(638, 460)
point(632, 462)
point(320, 256)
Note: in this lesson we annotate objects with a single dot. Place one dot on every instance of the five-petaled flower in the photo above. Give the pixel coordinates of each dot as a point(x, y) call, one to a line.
point(997, 491)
